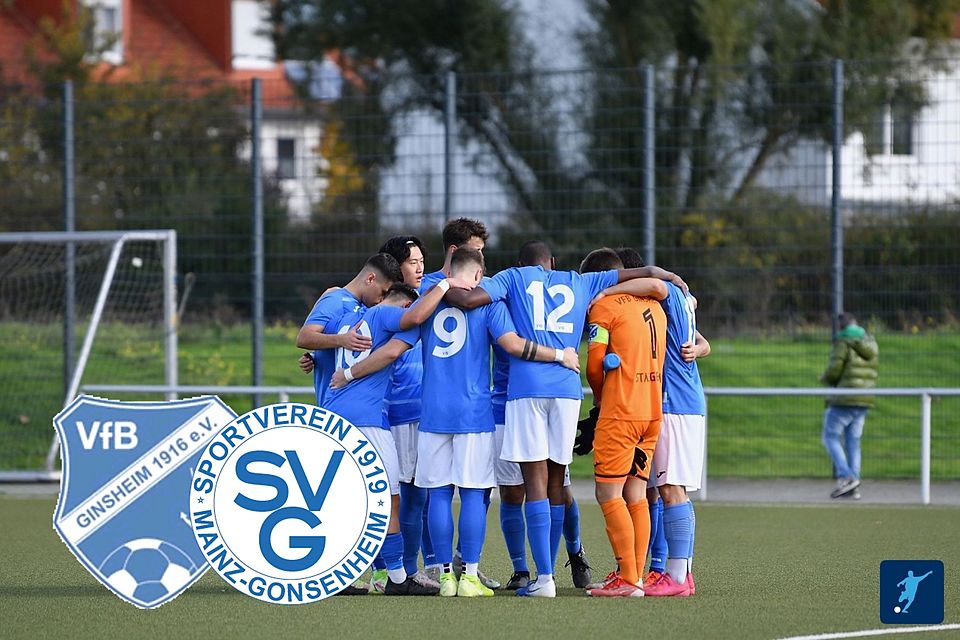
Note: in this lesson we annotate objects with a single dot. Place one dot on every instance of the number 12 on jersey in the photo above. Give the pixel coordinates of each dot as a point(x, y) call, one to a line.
point(551, 322)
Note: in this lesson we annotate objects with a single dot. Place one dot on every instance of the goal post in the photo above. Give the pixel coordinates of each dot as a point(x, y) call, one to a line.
point(123, 279)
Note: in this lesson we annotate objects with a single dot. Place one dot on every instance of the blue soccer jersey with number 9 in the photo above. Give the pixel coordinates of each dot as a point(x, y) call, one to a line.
point(548, 307)
point(456, 368)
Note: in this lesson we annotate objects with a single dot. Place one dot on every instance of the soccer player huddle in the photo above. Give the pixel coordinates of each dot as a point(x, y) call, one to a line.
point(468, 383)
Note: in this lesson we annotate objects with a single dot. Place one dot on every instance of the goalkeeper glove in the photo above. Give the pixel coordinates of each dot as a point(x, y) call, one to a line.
point(585, 431)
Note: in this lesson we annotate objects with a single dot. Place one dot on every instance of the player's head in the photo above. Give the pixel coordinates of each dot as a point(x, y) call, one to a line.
point(845, 319)
point(409, 252)
point(536, 253)
point(630, 258)
point(467, 263)
point(463, 232)
point(603, 259)
point(400, 295)
point(379, 273)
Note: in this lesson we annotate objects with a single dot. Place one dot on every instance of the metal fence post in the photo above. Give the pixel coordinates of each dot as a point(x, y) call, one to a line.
point(170, 319)
point(836, 218)
point(925, 448)
point(256, 172)
point(449, 128)
point(69, 225)
point(649, 183)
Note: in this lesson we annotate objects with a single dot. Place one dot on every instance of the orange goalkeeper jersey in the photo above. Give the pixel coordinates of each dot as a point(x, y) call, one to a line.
point(636, 330)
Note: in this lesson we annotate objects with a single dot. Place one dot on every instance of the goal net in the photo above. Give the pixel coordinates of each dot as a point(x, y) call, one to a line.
point(113, 292)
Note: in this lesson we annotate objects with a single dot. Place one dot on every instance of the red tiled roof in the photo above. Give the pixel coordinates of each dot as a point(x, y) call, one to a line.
point(157, 44)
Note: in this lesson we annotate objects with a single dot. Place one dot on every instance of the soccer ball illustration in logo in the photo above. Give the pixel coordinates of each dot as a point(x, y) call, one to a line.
point(147, 569)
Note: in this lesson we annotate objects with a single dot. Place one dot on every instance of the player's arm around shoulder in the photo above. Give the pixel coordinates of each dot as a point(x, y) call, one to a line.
point(640, 287)
point(529, 350)
point(383, 357)
point(418, 313)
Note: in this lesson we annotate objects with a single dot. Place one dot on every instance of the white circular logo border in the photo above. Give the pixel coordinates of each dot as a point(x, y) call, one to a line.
point(243, 430)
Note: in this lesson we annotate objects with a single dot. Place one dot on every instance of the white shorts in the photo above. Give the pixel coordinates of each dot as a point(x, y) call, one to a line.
point(405, 435)
point(540, 429)
point(462, 459)
point(678, 458)
point(382, 440)
point(508, 473)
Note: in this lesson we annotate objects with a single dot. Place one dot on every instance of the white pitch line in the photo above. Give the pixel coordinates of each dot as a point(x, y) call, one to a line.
point(889, 631)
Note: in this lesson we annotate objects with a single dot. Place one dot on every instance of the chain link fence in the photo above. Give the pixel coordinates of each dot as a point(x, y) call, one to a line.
point(749, 189)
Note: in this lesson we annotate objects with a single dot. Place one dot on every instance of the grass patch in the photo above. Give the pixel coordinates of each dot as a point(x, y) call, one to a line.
point(762, 572)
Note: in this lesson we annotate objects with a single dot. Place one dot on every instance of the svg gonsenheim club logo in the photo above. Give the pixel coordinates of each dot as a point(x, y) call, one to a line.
point(290, 503)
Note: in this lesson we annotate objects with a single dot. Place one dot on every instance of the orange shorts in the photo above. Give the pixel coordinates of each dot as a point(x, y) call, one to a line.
point(624, 448)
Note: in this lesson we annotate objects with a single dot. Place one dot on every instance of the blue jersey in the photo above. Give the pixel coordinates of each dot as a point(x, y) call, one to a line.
point(456, 370)
point(501, 375)
point(327, 313)
point(361, 401)
point(548, 307)
point(403, 396)
point(430, 280)
point(682, 388)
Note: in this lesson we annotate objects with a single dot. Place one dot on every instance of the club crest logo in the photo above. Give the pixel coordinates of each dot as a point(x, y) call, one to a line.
point(123, 504)
point(290, 503)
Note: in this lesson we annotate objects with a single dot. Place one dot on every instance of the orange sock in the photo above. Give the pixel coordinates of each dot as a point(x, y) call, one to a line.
point(640, 515)
point(621, 535)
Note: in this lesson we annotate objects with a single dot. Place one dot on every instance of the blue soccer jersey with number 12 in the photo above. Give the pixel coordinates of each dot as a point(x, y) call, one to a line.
point(548, 307)
point(456, 368)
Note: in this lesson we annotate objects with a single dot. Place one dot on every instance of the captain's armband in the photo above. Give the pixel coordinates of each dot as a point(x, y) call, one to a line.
point(598, 335)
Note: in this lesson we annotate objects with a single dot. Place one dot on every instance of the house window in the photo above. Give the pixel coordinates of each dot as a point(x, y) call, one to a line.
point(105, 33)
point(890, 130)
point(286, 158)
point(901, 129)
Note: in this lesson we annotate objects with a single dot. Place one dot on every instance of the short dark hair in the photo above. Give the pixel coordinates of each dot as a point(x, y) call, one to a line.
point(401, 289)
point(535, 252)
point(399, 247)
point(385, 265)
point(630, 258)
point(457, 232)
point(466, 255)
point(602, 259)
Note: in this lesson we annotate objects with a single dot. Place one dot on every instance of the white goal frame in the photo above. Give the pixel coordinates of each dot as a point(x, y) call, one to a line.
point(168, 240)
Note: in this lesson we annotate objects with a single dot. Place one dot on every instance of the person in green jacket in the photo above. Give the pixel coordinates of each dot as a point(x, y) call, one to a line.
point(853, 363)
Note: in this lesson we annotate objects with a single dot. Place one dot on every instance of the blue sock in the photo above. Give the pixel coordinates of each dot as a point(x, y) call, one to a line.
point(514, 534)
point(426, 544)
point(378, 562)
point(412, 500)
point(571, 527)
point(658, 541)
point(677, 526)
point(556, 529)
point(538, 532)
point(392, 551)
point(473, 523)
point(441, 523)
point(693, 529)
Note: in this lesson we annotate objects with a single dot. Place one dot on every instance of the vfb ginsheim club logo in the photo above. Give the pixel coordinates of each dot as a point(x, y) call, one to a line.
point(290, 503)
